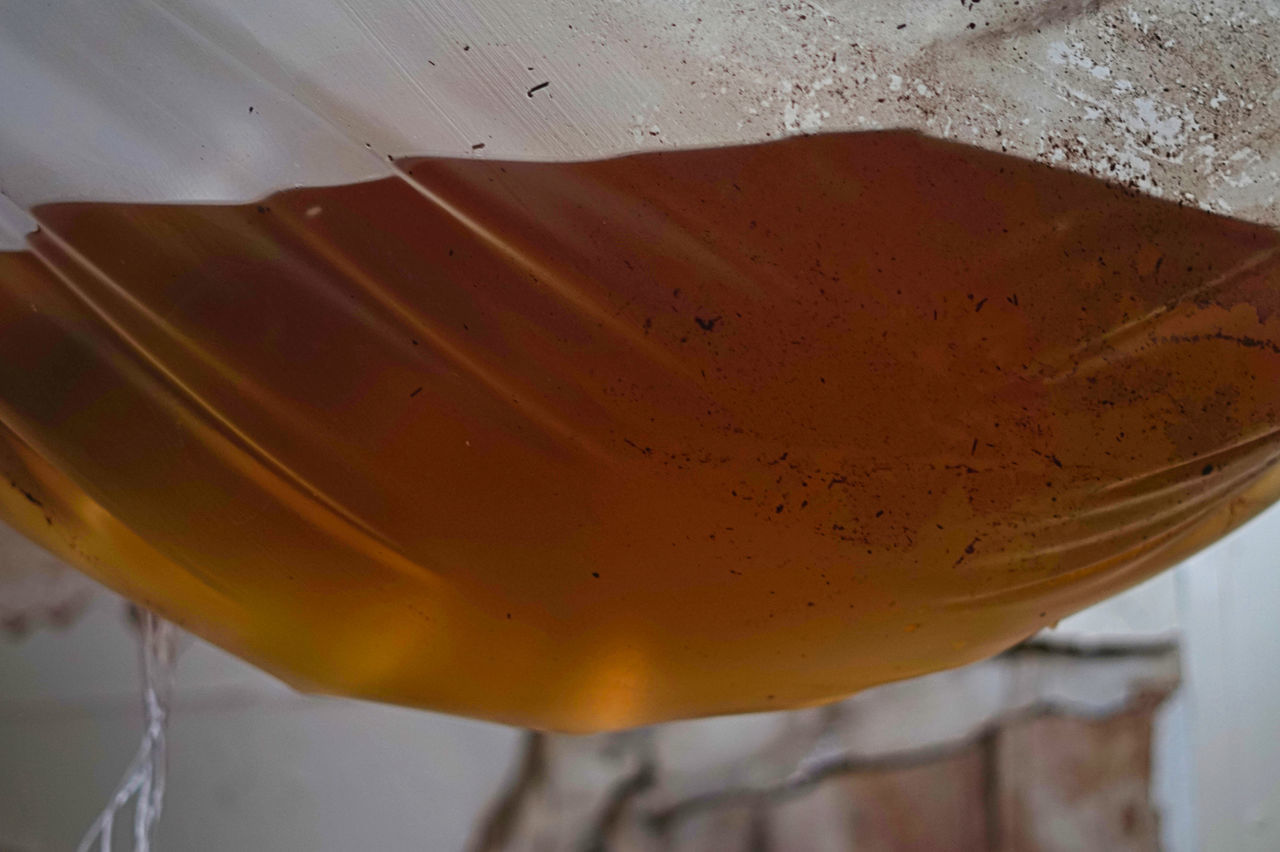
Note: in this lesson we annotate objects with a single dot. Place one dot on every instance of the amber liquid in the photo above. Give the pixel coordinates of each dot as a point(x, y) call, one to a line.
point(586, 445)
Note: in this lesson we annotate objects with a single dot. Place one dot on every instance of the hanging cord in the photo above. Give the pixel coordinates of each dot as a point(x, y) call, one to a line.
point(143, 781)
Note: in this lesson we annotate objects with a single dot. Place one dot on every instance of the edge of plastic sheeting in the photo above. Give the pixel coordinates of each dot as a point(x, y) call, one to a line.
point(195, 100)
point(15, 224)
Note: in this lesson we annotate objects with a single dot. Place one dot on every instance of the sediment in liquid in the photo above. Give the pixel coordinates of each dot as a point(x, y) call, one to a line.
point(585, 445)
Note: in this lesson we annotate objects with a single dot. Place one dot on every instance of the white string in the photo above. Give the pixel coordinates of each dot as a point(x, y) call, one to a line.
point(143, 780)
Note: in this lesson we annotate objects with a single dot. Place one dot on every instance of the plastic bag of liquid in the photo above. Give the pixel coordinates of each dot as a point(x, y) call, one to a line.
point(586, 365)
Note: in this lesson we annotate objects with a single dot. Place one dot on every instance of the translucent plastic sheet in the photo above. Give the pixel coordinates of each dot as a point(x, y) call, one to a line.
point(341, 344)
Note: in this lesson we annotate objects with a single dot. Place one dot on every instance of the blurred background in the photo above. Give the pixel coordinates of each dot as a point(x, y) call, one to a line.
point(1147, 722)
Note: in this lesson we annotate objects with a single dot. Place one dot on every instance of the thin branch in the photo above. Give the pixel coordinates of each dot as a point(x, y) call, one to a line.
point(616, 804)
point(817, 771)
point(498, 826)
point(1093, 651)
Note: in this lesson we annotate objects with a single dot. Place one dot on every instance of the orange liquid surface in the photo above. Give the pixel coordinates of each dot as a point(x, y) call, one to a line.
point(588, 445)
